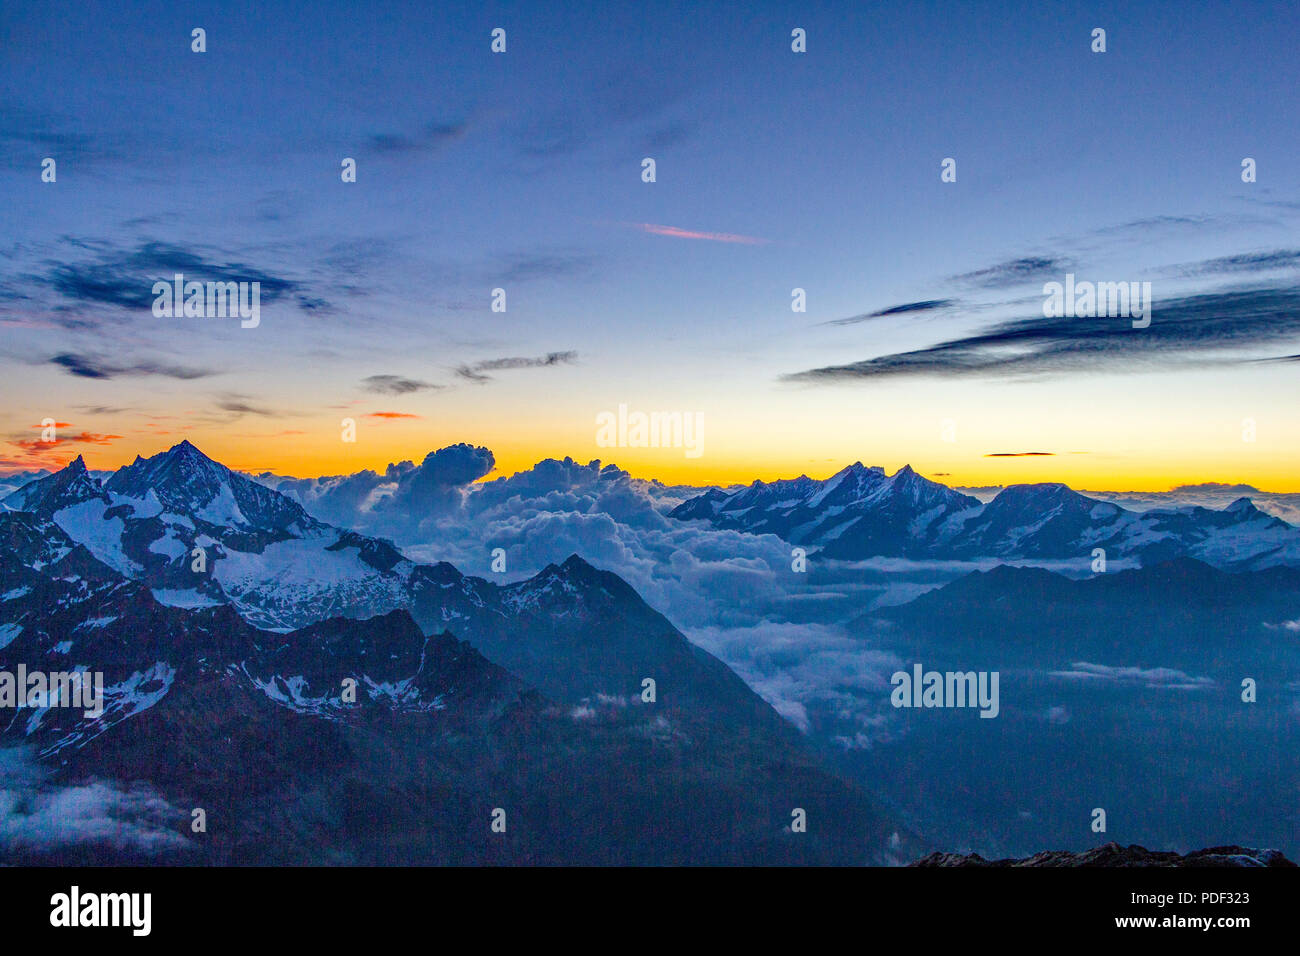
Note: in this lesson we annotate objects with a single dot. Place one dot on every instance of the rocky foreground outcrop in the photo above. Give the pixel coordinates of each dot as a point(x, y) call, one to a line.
point(1112, 854)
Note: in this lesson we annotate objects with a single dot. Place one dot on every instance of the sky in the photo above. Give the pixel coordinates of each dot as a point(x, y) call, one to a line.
point(924, 339)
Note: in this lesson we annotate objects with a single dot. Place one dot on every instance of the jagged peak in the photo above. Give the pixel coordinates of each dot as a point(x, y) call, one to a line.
point(575, 563)
point(443, 572)
point(71, 484)
point(187, 451)
point(858, 468)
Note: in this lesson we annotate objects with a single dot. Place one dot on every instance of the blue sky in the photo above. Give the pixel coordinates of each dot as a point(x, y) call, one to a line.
point(522, 170)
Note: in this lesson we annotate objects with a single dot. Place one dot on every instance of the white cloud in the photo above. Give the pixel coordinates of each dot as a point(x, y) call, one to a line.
point(1154, 677)
point(35, 813)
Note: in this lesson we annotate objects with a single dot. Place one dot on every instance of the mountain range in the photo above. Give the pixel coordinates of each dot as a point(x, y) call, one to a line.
point(863, 512)
point(228, 623)
point(1165, 695)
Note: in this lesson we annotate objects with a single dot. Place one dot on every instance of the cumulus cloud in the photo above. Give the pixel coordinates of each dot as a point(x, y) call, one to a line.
point(441, 479)
point(404, 501)
point(733, 593)
point(812, 673)
point(34, 813)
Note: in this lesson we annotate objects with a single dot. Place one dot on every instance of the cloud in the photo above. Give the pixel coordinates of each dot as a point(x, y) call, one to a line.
point(32, 453)
point(676, 232)
point(98, 273)
point(1246, 262)
point(1018, 454)
point(36, 814)
point(1195, 329)
point(344, 500)
point(625, 109)
point(477, 371)
point(1014, 272)
point(23, 131)
point(1285, 625)
point(81, 438)
point(440, 480)
point(87, 366)
point(667, 136)
point(1165, 678)
point(806, 669)
point(730, 591)
point(395, 385)
point(1057, 715)
point(390, 415)
point(241, 407)
point(431, 138)
point(529, 267)
point(1146, 227)
point(926, 305)
point(1150, 223)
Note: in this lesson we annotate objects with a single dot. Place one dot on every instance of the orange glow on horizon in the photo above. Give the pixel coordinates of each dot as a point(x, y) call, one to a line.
point(309, 454)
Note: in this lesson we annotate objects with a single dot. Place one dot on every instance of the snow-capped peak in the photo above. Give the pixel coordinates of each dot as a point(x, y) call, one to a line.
point(188, 482)
point(70, 485)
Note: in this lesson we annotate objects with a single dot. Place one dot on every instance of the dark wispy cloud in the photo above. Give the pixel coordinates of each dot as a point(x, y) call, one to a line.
point(430, 138)
point(1199, 329)
point(1014, 272)
point(395, 385)
point(477, 372)
point(529, 267)
point(123, 276)
point(634, 107)
point(926, 305)
point(89, 366)
point(1245, 262)
point(666, 136)
point(240, 405)
point(1020, 454)
point(28, 135)
point(1154, 224)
